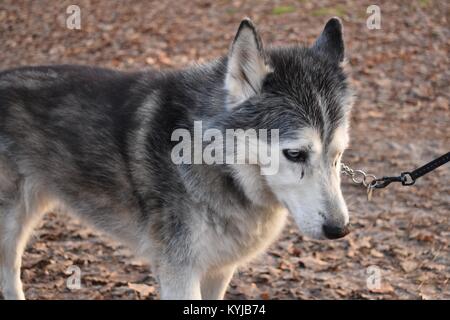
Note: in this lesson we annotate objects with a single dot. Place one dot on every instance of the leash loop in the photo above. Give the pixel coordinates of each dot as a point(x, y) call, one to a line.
point(385, 181)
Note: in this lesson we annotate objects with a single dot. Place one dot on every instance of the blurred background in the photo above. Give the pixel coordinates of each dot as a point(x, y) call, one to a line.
point(399, 248)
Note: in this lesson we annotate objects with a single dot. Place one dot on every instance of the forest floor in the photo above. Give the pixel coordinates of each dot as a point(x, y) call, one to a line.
point(400, 121)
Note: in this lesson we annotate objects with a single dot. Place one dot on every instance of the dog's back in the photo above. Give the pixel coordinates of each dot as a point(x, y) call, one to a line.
point(66, 124)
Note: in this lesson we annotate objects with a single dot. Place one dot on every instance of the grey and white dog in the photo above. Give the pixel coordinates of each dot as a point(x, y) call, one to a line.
point(97, 143)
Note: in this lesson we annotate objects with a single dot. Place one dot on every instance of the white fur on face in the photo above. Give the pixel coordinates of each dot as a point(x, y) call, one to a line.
point(338, 212)
point(340, 140)
point(311, 190)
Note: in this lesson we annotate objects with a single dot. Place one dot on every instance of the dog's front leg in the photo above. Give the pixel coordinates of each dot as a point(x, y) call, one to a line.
point(214, 284)
point(179, 284)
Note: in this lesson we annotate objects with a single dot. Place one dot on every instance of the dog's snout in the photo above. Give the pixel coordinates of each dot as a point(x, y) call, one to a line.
point(333, 232)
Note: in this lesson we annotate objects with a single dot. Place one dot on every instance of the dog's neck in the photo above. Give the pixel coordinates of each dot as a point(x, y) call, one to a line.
point(253, 184)
point(239, 186)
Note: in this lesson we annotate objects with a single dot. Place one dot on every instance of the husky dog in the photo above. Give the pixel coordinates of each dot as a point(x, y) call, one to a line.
point(97, 143)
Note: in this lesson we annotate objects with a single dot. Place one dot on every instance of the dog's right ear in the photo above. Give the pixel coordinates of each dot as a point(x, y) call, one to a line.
point(246, 67)
point(331, 43)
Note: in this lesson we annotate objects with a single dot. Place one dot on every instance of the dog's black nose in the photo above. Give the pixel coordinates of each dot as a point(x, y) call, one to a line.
point(332, 232)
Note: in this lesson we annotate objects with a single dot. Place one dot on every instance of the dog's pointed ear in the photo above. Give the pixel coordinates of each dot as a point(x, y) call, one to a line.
point(246, 66)
point(331, 42)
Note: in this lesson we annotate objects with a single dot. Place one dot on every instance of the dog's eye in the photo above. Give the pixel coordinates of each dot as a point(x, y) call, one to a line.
point(295, 155)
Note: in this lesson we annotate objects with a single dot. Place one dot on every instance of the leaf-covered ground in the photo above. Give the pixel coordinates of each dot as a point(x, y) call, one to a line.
point(400, 121)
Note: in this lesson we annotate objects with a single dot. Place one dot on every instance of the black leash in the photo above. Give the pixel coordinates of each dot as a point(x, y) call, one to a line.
point(371, 182)
point(409, 178)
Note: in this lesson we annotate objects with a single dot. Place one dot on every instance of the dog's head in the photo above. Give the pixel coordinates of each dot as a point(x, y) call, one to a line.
point(303, 92)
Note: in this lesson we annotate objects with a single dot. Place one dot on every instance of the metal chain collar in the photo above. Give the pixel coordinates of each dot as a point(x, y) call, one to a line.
point(360, 177)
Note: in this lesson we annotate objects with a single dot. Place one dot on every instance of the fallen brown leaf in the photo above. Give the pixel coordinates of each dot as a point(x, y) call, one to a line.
point(143, 289)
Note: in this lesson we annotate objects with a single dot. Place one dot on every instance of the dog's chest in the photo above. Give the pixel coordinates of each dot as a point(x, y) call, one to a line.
point(236, 237)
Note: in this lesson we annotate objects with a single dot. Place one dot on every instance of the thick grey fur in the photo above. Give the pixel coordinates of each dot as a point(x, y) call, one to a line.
point(97, 143)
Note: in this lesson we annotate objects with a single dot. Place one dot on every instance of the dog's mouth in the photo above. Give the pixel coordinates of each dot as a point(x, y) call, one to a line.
point(324, 231)
point(317, 234)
